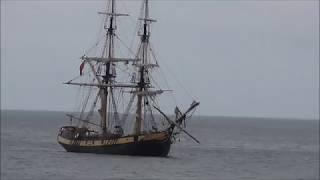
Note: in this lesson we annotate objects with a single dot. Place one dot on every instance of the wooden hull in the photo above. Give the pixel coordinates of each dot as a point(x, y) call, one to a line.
point(157, 144)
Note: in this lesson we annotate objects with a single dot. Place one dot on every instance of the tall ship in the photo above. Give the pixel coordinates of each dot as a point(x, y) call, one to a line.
point(119, 111)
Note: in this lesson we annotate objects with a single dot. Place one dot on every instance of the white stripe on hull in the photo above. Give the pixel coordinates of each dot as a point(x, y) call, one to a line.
point(114, 141)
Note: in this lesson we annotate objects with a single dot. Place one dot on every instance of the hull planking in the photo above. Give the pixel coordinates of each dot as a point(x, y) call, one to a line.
point(156, 144)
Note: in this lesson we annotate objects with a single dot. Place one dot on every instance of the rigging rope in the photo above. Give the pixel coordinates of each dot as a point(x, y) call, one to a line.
point(130, 50)
point(135, 29)
point(126, 112)
point(86, 101)
point(92, 109)
point(116, 115)
point(152, 120)
point(176, 79)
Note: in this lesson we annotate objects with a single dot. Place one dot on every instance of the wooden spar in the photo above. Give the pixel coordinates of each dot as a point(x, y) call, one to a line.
point(86, 121)
point(147, 19)
point(147, 65)
point(108, 60)
point(148, 93)
point(103, 85)
point(174, 124)
point(183, 116)
point(113, 14)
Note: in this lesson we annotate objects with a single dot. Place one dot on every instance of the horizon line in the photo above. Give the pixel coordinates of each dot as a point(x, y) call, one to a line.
point(199, 115)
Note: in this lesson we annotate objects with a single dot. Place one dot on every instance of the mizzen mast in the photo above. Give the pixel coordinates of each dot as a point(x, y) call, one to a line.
point(105, 74)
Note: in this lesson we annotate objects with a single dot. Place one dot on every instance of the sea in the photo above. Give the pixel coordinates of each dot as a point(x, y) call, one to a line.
point(231, 148)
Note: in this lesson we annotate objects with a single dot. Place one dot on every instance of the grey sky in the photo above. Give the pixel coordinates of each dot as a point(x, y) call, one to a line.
point(238, 58)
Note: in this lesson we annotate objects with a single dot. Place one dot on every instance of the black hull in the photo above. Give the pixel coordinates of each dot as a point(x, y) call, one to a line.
point(141, 148)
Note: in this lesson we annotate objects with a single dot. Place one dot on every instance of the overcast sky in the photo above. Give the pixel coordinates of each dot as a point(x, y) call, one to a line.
point(238, 58)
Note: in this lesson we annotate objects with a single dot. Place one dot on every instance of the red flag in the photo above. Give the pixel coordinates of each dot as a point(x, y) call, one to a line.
point(81, 68)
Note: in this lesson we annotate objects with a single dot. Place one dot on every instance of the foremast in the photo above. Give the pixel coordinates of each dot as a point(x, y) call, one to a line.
point(143, 83)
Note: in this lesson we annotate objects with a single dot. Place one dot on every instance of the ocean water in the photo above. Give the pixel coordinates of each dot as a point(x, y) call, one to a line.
point(230, 149)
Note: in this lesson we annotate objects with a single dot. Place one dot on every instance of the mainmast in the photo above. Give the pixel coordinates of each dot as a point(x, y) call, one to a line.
point(107, 76)
point(142, 70)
